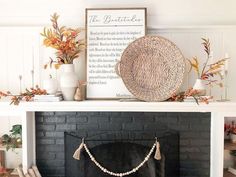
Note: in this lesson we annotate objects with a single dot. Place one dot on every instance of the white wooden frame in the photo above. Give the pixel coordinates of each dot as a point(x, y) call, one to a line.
point(132, 20)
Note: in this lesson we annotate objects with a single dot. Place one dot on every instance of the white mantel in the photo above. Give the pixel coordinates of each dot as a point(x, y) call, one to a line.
point(218, 111)
point(124, 106)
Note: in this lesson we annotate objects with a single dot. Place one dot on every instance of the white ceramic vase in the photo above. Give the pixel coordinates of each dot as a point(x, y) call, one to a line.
point(200, 86)
point(68, 82)
point(50, 85)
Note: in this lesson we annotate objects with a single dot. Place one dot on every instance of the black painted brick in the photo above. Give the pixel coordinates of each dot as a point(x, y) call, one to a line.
point(110, 126)
point(189, 149)
point(39, 119)
point(50, 148)
point(184, 142)
point(199, 127)
point(133, 126)
point(38, 114)
point(40, 133)
point(45, 141)
point(205, 135)
point(140, 119)
point(55, 120)
point(121, 119)
point(60, 156)
point(77, 119)
point(156, 126)
point(179, 127)
point(199, 156)
point(200, 142)
point(205, 149)
point(47, 156)
point(194, 164)
point(96, 119)
point(65, 127)
point(65, 113)
point(54, 134)
point(46, 127)
point(59, 141)
point(190, 134)
point(193, 128)
point(53, 163)
point(87, 126)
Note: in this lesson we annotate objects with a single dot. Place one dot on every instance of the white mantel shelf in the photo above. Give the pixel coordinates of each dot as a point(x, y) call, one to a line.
point(119, 106)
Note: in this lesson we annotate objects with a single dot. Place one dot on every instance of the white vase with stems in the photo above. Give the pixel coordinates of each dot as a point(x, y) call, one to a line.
point(200, 87)
point(68, 82)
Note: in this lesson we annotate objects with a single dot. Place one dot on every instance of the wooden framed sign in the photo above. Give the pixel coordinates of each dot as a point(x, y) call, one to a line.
point(108, 33)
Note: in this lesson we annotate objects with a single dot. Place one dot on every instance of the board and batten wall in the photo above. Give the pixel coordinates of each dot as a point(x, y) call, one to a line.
point(160, 12)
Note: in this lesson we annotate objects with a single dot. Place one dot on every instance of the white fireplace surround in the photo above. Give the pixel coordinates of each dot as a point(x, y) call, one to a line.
point(218, 110)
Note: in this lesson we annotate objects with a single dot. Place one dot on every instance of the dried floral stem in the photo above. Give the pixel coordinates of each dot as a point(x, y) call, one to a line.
point(207, 45)
point(64, 40)
point(32, 78)
point(27, 95)
point(208, 71)
point(20, 78)
point(190, 93)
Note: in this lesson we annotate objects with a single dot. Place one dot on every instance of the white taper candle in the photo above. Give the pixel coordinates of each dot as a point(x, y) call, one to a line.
point(227, 61)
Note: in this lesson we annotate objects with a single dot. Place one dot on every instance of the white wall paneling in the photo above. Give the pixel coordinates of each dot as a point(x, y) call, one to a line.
point(18, 47)
point(161, 12)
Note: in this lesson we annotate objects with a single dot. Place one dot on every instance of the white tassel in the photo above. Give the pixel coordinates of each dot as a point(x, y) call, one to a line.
point(157, 155)
point(78, 151)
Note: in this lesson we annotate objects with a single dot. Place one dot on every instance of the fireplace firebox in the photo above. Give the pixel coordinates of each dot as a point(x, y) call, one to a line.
point(122, 155)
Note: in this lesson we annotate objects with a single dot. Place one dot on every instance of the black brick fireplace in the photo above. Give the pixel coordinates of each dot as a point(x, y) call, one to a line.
point(193, 130)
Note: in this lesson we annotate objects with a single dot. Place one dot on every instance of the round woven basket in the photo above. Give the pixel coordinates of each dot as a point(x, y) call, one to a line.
point(152, 68)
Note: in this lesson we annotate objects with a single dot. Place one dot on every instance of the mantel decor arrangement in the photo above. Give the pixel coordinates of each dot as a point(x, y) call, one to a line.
point(207, 73)
point(68, 45)
point(206, 76)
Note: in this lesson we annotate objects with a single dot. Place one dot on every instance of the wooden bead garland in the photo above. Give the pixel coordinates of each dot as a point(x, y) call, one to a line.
point(83, 145)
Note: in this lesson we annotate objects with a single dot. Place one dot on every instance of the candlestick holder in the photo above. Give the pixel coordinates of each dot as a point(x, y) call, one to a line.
point(32, 78)
point(20, 79)
point(224, 88)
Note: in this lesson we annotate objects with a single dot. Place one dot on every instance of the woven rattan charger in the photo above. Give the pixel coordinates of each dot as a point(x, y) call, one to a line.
point(152, 68)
